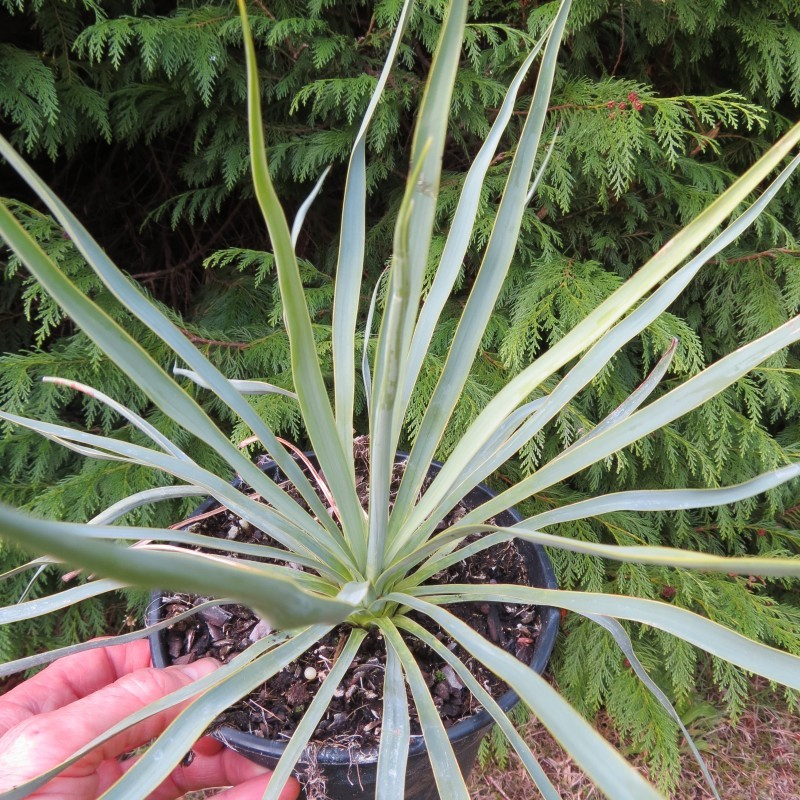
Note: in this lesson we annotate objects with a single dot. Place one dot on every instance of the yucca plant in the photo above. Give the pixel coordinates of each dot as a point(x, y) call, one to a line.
point(371, 569)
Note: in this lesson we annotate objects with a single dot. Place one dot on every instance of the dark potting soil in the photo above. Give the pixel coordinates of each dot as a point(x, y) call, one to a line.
point(353, 718)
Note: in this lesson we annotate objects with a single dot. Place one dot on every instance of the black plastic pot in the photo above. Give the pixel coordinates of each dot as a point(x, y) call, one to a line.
point(353, 774)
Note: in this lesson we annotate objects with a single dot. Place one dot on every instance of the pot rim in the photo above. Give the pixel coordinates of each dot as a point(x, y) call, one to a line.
point(273, 748)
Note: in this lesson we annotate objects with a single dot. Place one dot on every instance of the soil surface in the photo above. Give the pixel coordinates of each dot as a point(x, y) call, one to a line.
point(353, 718)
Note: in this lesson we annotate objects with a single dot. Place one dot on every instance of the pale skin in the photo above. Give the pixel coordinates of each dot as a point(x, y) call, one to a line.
point(56, 712)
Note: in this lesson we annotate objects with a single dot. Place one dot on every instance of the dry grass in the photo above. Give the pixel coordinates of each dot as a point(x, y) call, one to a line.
point(758, 758)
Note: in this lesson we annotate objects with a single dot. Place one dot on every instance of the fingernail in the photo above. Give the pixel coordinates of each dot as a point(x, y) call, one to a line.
point(201, 668)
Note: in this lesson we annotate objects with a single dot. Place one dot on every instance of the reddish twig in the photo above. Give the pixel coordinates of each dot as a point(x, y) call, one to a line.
point(214, 342)
point(68, 576)
point(772, 253)
point(302, 456)
point(621, 39)
point(190, 520)
point(701, 146)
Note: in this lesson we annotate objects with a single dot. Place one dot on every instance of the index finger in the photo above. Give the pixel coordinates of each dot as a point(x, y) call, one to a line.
point(71, 679)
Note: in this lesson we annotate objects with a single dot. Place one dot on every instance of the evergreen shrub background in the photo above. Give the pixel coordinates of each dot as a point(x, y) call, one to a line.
point(134, 112)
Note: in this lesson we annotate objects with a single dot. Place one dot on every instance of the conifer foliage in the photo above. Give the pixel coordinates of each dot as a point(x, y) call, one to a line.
point(656, 106)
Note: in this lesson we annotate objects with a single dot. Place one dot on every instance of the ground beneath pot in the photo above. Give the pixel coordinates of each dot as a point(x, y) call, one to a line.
point(353, 718)
point(755, 758)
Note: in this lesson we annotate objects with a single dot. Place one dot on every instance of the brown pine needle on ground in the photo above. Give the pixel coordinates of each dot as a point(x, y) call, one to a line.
point(758, 758)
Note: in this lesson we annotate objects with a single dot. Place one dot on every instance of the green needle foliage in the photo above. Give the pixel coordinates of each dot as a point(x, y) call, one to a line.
point(715, 84)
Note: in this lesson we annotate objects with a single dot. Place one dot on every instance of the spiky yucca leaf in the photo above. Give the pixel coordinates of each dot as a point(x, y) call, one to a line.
point(369, 568)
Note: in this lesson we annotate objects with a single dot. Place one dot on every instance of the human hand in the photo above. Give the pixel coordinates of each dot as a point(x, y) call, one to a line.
point(53, 714)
